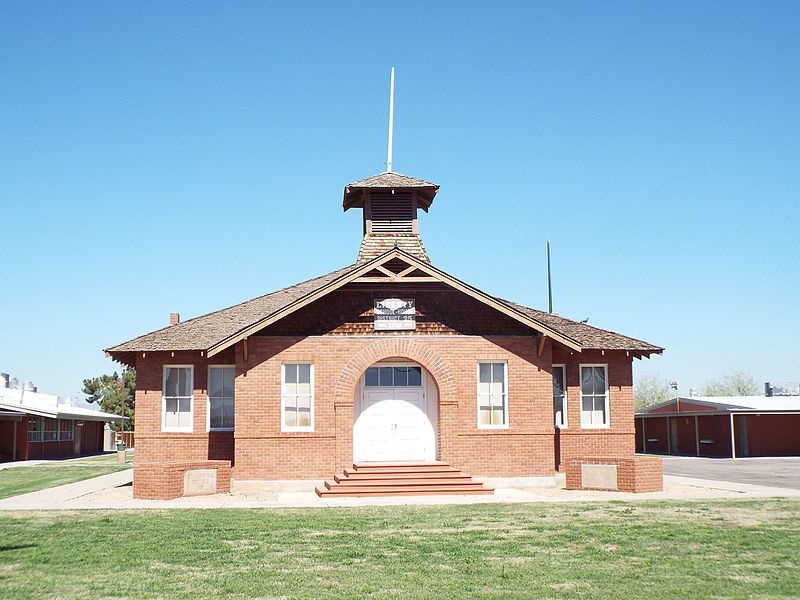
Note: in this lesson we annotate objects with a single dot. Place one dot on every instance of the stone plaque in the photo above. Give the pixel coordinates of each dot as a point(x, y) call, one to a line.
point(602, 477)
point(200, 482)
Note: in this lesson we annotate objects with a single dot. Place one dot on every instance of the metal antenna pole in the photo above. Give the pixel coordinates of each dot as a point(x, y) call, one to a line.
point(391, 122)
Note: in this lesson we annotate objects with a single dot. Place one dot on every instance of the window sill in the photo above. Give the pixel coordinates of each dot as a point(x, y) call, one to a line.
point(171, 430)
point(595, 426)
point(298, 430)
point(492, 427)
point(218, 429)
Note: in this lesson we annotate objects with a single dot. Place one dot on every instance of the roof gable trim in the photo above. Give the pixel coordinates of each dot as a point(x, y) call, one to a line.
point(432, 272)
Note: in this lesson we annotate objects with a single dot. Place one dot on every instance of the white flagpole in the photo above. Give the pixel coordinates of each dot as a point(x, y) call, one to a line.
point(391, 122)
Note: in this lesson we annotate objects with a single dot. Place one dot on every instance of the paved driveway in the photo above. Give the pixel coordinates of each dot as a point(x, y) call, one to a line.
point(773, 472)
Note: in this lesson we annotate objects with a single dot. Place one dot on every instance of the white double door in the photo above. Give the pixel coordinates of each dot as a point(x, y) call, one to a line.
point(393, 426)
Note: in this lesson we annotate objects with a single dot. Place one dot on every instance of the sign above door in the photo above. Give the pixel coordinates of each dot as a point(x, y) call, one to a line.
point(394, 314)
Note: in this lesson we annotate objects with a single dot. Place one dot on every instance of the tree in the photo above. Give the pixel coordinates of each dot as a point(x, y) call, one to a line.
point(650, 389)
point(105, 391)
point(735, 383)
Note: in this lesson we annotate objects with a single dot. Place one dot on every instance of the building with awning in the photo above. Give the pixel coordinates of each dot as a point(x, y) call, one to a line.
point(721, 426)
point(35, 425)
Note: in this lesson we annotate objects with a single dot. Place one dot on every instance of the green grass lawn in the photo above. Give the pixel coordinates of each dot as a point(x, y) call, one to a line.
point(21, 480)
point(733, 549)
point(108, 458)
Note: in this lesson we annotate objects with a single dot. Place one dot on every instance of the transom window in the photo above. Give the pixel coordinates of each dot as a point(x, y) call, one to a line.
point(221, 397)
point(393, 377)
point(492, 396)
point(297, 397)
point(178, 390)
point(560, 396)
point(594, 396)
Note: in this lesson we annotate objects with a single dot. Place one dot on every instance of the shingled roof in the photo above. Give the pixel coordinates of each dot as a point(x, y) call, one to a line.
point(204, 332)
point(588, 336)
point(354, 197)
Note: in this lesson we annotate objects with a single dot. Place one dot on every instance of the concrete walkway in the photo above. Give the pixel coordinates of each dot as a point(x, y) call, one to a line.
point(58, 497)
point(81, 461)
point(111, 492)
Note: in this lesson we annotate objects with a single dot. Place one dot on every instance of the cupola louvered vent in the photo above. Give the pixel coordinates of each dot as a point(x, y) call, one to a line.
point(392, 212)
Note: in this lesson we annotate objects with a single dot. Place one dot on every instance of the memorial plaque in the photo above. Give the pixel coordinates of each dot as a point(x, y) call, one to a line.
point(200, 482)
point(599, 477)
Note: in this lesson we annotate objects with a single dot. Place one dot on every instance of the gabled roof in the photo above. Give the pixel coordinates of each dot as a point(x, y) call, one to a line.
point(221, 329)
point(354, 197)
point(727, 404)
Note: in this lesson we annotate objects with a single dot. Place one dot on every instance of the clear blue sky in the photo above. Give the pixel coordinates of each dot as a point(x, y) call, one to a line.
point(159, 157)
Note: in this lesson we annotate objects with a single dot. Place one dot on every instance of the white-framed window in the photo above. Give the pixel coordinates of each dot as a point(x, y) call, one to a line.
point(492, 395)
point(221, 397)
point(560, 396)
point(594, 396)
point(177, 401)
point(65, 429)
point(297, 397)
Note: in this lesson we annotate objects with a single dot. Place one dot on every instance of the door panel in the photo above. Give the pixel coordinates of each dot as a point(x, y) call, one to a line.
point(373, 432)
point(393, 426)
point(414, 436)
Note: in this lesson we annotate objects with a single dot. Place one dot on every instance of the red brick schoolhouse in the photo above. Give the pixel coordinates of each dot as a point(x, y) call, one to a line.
point(385, 373)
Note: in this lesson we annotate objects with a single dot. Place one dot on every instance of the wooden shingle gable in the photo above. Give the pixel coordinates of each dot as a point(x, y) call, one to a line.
point(385, 269)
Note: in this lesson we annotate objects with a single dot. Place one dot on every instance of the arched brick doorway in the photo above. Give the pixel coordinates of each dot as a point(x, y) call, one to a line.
point(400, 351)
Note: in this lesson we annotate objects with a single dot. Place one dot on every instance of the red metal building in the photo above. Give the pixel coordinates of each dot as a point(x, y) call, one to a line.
point(35, 425)
point(729, 426)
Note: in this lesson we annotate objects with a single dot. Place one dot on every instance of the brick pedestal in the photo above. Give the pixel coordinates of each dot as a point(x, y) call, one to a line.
point(635, 474)
point(165, 481)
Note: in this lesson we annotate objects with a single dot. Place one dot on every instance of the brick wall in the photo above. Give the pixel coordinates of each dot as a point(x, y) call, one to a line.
point(618, 439)
point(259, 450)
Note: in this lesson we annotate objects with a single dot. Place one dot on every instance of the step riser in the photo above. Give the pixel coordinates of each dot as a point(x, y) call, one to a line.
point(399, 482)
point(385, 470)
point(336, 491)
point(391, 465)
point(400, 476)
point(323, 493)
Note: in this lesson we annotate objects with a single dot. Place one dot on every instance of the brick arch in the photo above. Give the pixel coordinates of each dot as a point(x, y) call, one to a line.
point(390, 348)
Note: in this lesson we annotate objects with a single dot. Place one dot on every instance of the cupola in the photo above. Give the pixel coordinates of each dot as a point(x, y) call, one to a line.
point(390, 202)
